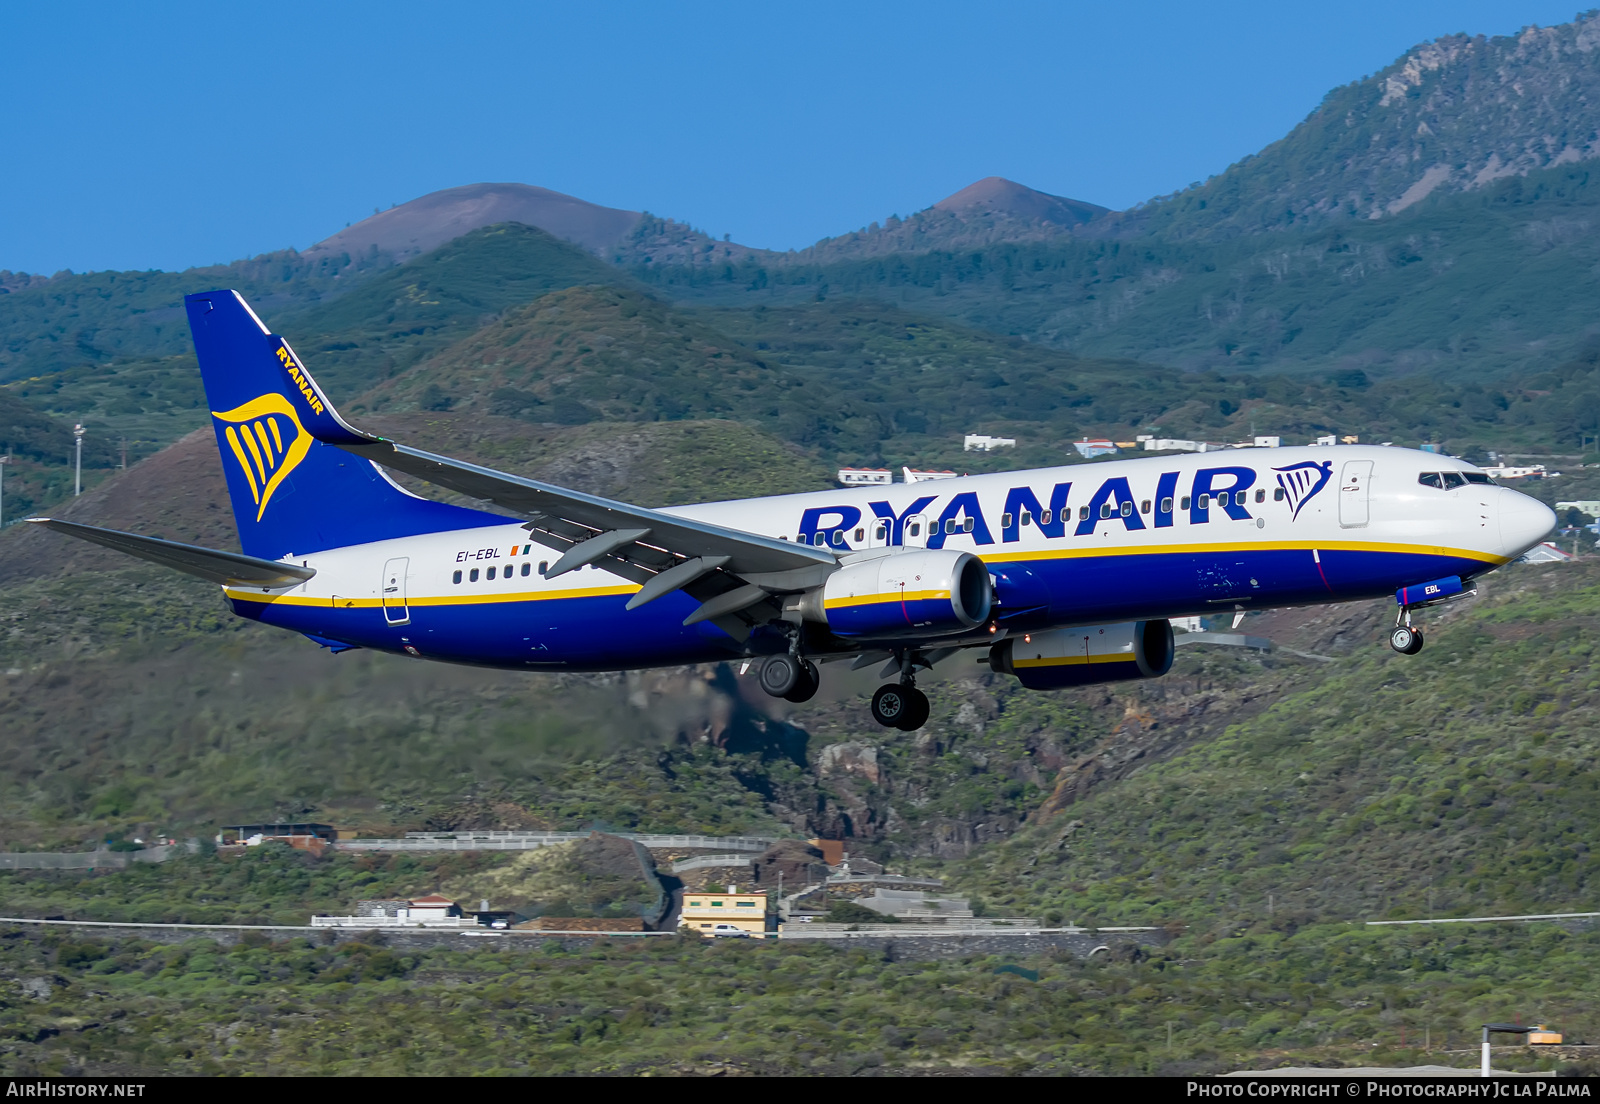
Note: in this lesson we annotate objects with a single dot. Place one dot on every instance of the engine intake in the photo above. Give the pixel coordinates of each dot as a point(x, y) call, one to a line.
point(1090, 654)
point(913, 593)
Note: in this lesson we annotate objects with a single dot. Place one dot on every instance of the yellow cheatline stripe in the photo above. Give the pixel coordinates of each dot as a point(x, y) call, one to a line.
point(888, 596)
point(1262, 546)
point(1061, 661)
point(244, 463)
point(491, 598)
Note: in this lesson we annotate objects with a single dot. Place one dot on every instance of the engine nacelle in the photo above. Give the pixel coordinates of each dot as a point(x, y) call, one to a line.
point(914, 593)
point(1080, 656)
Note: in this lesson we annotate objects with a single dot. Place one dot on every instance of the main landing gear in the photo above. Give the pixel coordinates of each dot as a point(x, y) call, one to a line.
point(900, 705)
point(896, 705)
point(790, 678)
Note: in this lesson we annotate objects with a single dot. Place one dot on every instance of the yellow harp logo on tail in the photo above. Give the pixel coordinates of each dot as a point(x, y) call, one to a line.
point(268, 441)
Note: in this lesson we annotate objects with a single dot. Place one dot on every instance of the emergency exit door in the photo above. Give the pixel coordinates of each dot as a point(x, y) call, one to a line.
point(394, 591)
point(1355, 494)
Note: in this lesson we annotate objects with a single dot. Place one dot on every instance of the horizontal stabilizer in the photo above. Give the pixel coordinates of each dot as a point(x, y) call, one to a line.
point(226, 568)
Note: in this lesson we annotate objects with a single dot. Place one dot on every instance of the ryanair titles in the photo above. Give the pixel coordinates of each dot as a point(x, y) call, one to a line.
point(299, 377)
point(1231, 490)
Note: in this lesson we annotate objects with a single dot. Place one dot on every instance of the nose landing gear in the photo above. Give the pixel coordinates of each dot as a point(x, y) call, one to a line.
point(1406, 640)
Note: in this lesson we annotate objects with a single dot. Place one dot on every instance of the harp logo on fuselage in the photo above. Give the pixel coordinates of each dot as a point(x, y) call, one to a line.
point(1301, 482)
point(267, 439)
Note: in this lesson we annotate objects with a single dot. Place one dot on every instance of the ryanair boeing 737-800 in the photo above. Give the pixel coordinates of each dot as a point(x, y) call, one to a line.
point(1060, 576)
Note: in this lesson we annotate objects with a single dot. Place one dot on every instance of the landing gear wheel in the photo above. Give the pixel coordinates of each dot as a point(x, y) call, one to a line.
point(889, 704)
point(805, 687)
point(780, 675)
point(1406, 640)
point(898, 706)
point(916, 714)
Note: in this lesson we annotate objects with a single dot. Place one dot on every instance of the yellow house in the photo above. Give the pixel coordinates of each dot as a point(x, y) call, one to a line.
point(724, 913)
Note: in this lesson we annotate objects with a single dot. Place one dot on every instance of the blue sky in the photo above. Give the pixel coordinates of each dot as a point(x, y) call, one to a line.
point(170, 135)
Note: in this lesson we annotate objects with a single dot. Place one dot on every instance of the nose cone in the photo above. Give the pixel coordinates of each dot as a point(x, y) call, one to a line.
point(1524, 522)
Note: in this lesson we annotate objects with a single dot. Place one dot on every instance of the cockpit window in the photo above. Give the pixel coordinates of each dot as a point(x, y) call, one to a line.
point(1452, 480)
point(1431, 479)
point(1478, 477)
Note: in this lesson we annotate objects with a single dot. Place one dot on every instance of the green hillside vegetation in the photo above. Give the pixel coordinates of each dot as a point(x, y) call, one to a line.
point(1478, 284)
point(273, 884)
point(98, 317)
point(1329, 996)
point(1458, 112)
point(1462, 781)
point(396, 318)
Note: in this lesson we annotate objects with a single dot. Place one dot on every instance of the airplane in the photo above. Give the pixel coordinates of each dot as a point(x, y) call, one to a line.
point(1062, 576)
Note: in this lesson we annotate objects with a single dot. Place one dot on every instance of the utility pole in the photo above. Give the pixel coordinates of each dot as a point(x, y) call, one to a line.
point(77, 469)
point(4, 460)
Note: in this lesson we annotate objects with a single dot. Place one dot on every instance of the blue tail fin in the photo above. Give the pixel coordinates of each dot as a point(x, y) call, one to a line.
point(291, 493)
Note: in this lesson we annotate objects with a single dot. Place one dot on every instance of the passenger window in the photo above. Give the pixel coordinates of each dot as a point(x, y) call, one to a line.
point(1044, 516)
point(1277, 494)
point(1261, 495)
point(490, 573)
point(1166, 505)
point(1083, 513)
point(1205, 502)
point(456, 578)
point(1027, 518)
point(821, 539)
point(1452, 480)
point(527, 569)
point(1127, 508)
point(969, 524)
point(1185, 505)
point(950, 525)
point(1144, 507)
point(544, 565)
point(916, 528)
point(861, 535)
point(1005, 521)
point(1241, 498)
point(881, 532)
point(473, 577)
point(1478, 477)
point(838, 538)
point(1431, 479)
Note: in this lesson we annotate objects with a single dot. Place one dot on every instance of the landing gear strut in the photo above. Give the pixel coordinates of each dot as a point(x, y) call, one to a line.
point(1406, 638)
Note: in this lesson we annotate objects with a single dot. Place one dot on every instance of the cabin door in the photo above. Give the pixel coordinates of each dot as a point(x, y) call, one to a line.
point(1355, 494)
point(394, 591)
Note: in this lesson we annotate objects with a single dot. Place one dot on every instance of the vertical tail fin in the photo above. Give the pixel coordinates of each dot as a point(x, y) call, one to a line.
point(291, 493)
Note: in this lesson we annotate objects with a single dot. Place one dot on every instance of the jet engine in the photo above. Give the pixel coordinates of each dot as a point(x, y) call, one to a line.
point(1088, 654)
point(913, 593)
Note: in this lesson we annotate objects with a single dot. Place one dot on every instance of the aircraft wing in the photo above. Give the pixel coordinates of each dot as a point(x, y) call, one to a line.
point(732, 573)
point(225, 568)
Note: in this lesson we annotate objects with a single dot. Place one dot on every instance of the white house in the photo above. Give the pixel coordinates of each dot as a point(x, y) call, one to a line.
point(981, 442)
